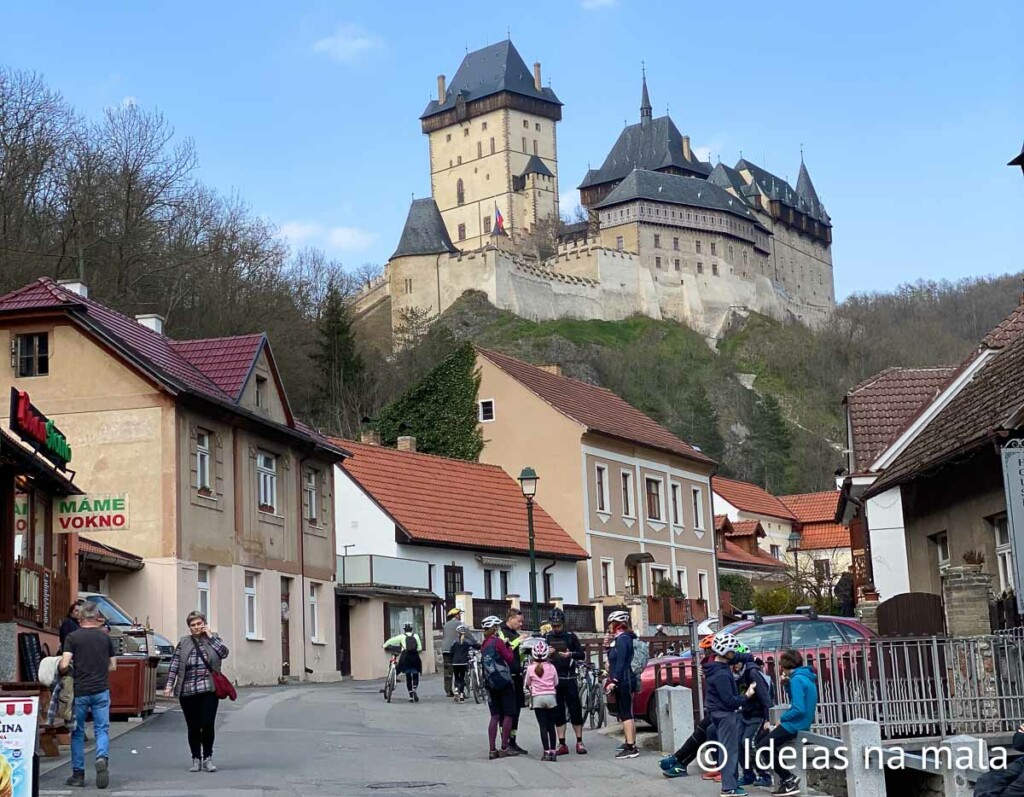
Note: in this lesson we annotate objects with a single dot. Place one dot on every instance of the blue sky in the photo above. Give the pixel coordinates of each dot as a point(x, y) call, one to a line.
point(907, 112)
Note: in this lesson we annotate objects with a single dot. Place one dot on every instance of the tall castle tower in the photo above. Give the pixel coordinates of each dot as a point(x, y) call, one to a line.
point(493, 147)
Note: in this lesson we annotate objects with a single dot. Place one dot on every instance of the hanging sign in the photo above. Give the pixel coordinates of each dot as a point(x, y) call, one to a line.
point(18, 722)
point(38, 431)
point(93, 512)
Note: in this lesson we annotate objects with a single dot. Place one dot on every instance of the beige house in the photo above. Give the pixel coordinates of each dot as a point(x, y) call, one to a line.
point(227, 498)
point(741, 501)
point(634, 495)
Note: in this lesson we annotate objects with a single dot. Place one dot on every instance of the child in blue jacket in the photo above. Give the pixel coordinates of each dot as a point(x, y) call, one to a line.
point(803, 701)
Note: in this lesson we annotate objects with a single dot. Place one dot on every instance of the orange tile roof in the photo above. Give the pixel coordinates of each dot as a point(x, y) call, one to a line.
point(815, 536)
point(731, 553)
point(813, 507)
point(454, 503)
point(594, 407)
point(746, 528)
point(749, 497)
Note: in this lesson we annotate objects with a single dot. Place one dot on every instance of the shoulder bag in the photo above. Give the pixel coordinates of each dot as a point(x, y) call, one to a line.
point(221, 685)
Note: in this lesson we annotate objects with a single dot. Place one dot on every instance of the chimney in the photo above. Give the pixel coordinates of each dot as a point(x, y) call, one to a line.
point(152, 321)
point(440, 88)
point(554, 368)
point(686, 147)
point(75, 286)
point(406, 443)
point(536, 75)
point(370, 437)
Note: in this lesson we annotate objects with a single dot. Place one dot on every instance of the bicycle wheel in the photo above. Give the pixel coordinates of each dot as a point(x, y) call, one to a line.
point(583, 687)
point(474, 684)
point(600, 711)
point(389, 683)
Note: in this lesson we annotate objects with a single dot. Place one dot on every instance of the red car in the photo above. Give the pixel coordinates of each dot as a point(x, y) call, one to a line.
point(811, 634)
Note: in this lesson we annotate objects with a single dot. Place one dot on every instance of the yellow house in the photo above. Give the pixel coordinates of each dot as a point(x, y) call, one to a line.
point(227, 497)
point(634, 495)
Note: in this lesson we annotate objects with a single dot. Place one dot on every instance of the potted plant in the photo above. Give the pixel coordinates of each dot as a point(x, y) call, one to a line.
point(973, 560)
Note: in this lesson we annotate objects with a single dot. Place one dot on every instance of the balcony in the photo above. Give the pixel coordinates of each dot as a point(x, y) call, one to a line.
point(374, 574)
point(41, 596)
point(676, 611)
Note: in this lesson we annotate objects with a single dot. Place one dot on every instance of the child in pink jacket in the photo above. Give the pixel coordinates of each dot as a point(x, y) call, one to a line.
point(541, 680)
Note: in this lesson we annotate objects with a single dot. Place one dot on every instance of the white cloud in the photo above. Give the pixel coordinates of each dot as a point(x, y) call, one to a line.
point(332, 239)
point(714, 149)
point(298, 232)
point(350, 239)
point(347, 43)
point(590, 5)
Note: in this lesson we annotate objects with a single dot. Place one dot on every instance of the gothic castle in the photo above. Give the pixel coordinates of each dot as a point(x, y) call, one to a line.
point(668, 235)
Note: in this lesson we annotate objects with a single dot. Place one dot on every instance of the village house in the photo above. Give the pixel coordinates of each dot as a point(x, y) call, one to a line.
point(824, 545)
point(634, 495)
point(740, 501)
point(736, 545)
point(414, 527)
point(202, 487)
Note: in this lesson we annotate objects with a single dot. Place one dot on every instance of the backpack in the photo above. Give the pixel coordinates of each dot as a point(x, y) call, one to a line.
point(496, 672)
point(768, 682)
point(641, 655)
point(411, 645)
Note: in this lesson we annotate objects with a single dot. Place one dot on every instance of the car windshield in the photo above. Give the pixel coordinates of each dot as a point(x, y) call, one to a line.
point(732, 628)
point(111, 612)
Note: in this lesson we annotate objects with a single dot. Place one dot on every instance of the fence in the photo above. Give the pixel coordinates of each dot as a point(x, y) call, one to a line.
point(1003, 614)
point(484, 607)
point(580, 618)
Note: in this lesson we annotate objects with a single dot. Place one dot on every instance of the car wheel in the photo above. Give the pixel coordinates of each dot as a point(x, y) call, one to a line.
point(652, 713)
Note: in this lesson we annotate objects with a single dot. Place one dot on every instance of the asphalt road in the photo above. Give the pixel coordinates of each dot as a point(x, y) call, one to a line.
point(343, 740)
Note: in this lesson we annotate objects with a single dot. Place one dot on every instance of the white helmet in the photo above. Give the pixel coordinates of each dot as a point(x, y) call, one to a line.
point(490, 622)
point(540, 649)
point(462, 629)
point(724, 643)
point(619, 617)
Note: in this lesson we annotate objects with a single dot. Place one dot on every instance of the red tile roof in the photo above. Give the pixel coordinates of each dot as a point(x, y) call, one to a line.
point(746, 528)
point(1007, 331)
point(454, 503)
point(227, 362)
point(732, 554)
point(813, 507)
point(86, 545)
point(750, 498)
point(815, 536)
point(880, 407)
point(594, 407)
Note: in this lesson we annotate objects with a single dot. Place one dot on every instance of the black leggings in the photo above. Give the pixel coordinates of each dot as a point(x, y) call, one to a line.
point(459, 676)
point(779, 737)
point(568, 695)
point(200, 716)
point(412, 680)
point(547, 719)
point(688, 752)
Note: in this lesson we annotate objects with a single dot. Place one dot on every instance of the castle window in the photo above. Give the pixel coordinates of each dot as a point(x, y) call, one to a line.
point(408, 286)
point(696, 245)
point(700, 267)
point(460, 192)
point(462, 232)
point(450, 163)
point(537, 127)
point(448, 137)
point(465, 132)
point(712, 247)
point(487, 225)
point(675, 242)
point(479, 149)
point(714, 269)
point(744, 257)
point(535, 146)
point(618, 243)
point(730, 252)
point(677, 264)
point(524, 143)
point(657, 262)
point(526, 123)
point(492, 145)
point(657, 241)
point(458, 160)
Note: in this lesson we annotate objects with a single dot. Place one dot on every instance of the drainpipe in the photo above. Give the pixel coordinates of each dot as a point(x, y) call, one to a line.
point(302, 562)
point(544, 572)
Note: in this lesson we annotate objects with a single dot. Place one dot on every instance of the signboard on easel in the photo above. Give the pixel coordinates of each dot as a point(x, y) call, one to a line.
point(19, 718)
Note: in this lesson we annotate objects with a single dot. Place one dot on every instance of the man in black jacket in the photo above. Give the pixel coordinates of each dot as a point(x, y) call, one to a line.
point(1007, 782)
point(566, 651)
point(509, 631)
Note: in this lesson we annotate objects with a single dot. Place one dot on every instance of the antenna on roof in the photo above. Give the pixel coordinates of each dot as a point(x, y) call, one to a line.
point(508, 32)
point(801, 152)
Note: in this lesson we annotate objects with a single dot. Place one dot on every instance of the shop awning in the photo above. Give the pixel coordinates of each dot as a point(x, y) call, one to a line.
point(370, 591)
point(106, 557)
point(639, 558)
point(39, 470)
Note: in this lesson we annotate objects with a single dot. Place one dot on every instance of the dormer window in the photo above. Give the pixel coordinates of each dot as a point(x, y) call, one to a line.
point(261, 392)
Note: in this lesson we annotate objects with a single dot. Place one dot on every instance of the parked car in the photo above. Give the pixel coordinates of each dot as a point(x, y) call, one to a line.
point(121, 621)
point(812, 634)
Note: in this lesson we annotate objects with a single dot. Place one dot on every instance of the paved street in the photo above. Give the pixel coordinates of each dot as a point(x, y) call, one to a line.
point(344, 740)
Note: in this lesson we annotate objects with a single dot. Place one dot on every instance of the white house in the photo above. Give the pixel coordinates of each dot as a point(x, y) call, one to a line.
point(741, 501)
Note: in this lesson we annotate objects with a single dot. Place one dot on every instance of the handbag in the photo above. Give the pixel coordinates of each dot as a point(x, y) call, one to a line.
point(221, 685)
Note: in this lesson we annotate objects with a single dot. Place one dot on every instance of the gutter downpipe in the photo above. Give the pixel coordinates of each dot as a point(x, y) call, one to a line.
point(302, 560)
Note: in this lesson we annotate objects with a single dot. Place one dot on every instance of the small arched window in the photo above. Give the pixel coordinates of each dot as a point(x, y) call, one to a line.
point(460, 192)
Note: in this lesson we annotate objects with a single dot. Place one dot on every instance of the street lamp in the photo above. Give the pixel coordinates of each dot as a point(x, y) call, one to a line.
point(528, 481)
point(794, 548)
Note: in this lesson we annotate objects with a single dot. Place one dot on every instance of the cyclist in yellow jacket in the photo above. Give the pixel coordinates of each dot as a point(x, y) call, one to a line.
point(409, 661)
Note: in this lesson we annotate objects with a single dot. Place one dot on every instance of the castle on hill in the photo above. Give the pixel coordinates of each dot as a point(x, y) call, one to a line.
point(668, 235)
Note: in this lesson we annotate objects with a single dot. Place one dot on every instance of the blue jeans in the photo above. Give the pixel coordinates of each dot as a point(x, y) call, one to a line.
point(99, 705)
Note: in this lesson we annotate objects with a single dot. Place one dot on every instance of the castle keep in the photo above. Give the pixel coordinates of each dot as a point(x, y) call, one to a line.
point(669, 235)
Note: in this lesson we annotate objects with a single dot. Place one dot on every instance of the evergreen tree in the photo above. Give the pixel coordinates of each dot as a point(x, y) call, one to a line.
point(339, 367)
point(770, 444)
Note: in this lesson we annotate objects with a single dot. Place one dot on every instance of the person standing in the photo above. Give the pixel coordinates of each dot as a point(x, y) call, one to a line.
point(460, 662)
point(803, 701)
point(196, 657)
point(566, 653)
point(542, 680)
point(70, 623)
point(844, 593)
point(756, 715)
point(621, 679)
point(510, 633)
point(497, 658)
point(723, 706)
point(448, 638)
point(90, 652)
point(409, 662)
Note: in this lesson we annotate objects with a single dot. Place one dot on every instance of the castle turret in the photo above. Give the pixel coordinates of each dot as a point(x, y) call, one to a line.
point(646, 111)
point(805, 188)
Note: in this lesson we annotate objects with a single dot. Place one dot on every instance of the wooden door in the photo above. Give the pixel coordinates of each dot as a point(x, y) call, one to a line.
point(454, 581)
point(286, 598)
point(341, 613)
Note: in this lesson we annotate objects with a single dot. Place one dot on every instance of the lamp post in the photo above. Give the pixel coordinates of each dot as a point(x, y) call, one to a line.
point(528, 481)
point(794, 548)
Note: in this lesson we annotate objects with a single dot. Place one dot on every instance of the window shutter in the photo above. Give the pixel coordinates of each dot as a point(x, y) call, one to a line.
point(217, 479)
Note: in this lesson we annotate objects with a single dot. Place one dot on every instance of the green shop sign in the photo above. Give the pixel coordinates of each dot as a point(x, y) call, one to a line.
point(107, 512)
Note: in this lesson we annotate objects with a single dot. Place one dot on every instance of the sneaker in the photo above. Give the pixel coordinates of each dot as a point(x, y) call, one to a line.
point(415, 696)
point(746, 779)
point(552, 755)
point(787, 788)
point(562, 749)
point(764, 782)
point(668, 762)
point(514, 745)
point(508, 753)
point(411, 698)
point(675, 772)
point(739, 791)
point(102, 773)
point(462, 698)
point(580, 749)
point(208, 765)
point(76, 779)
point(715, 776)
point(197, 765)
point(493, 754)
point(629, 751)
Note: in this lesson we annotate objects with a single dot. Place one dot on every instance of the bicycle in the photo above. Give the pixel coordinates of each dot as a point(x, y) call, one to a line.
point(588, 678)
point(392, 677)
point(476, 676)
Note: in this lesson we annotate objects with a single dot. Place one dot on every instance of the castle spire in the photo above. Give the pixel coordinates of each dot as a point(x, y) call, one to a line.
point(646, 111)
point(804, 186)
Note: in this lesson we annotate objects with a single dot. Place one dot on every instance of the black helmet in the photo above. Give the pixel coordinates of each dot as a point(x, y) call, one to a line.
point(556, 617)
point(408, 627)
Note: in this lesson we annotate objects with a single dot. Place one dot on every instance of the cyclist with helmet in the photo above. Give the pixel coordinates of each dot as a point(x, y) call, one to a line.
point(450, 634)
point(723, 703)
point(542, 681)
point(409, 661)
point(621, 678)
point(566, 651)
point(674, 766)
point(464, 642)
point(497, 658)
point(509, 631)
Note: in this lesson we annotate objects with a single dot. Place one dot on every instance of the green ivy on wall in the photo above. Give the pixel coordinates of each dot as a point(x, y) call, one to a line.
point(440, 411)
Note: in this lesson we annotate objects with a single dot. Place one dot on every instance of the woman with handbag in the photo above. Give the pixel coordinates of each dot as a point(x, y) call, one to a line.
point(193, 678)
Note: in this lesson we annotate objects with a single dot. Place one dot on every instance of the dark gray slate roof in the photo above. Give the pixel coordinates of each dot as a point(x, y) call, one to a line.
point(678, 189)
point(726, 177)
point(424, 232)
point(774, 187)
point(494, 69)
point(1019, 160)
point(657, 144)
point(536, 166)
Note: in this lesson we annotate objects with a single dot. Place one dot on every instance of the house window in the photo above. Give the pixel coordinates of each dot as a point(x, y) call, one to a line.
point(314, 612)
point(503, 582)
point(681, 580)
point(492, 145)
point(702, 585)
point(675, 505)
point(658, 574)
point(823, 571)
point(776, 552)
point(602, 489)
point(698, 507)
point(657, 241)
point(266, 472)
point(675, 241)
point(261, 391)
point(462, 232)
point(548, 587)
point(487, 225)
point(653, 493)
point(487, 410)
point(696, 245)
point(607, 577)
point(488, 584)
point(311, 492)
point(627, 494)
point(33, 354)
point(700, 267)
point(252, 604)
point(657, 262)
point(1004, 552)
point(203, 591)
point(460, 192)
point(203, 481)
point(397, 615)
point(618, 242)
point(676, 264)
point(479, 149)
point(941, 542)
point(713, 247)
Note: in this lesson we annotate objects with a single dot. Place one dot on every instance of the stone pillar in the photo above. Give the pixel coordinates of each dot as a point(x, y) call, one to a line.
point(675, 716)
point(598, 604)
point(867, 613)
point(557, 603)
point(515, 600)
point(464, 600)
point(858, 736)
point(965, 596)
point(954, 780)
